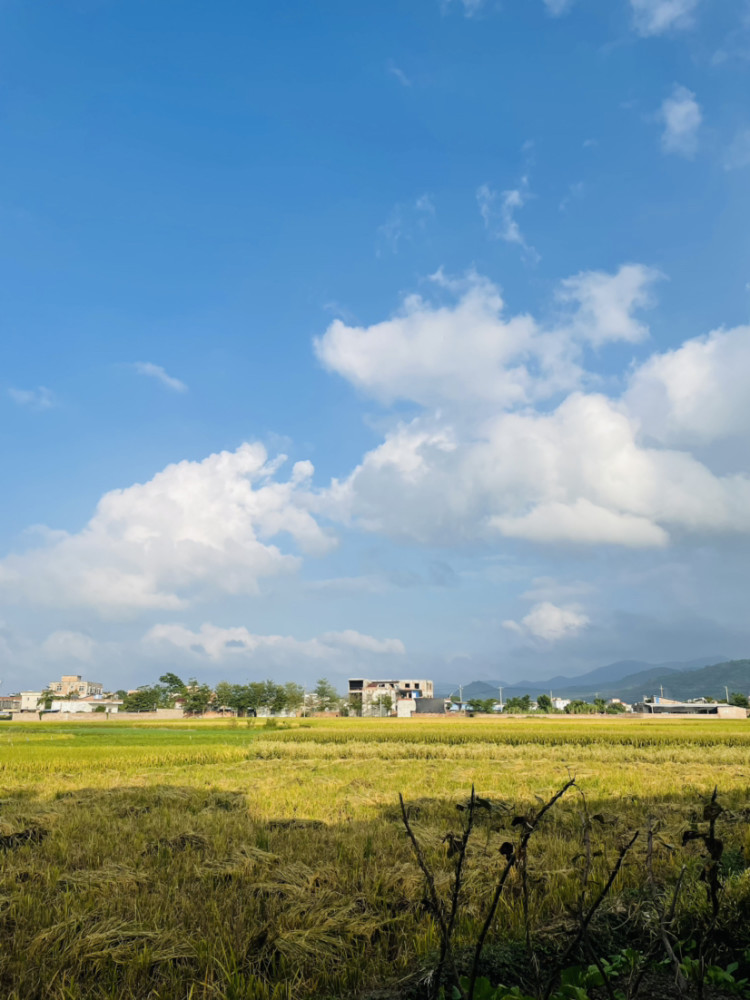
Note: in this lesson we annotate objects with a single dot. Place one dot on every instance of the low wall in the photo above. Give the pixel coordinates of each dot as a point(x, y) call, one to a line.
point(159, 714)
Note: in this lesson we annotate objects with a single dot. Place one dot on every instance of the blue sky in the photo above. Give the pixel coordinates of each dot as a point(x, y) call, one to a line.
point(479, 270)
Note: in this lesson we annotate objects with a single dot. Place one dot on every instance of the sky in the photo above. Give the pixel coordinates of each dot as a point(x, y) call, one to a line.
point(382, 339)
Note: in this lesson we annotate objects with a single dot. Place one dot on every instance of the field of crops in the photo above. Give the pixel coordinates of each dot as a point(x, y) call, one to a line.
point(244, 861)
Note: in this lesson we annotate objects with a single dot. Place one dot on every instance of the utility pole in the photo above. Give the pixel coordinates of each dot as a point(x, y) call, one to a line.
point(501, 698)
point(460, 694)
point(727, 691)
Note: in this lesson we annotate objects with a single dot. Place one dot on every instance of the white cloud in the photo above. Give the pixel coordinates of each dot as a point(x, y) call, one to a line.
point(606, 302)
point(218, 643)
point(738, 152)
point(587, 470)
point(40, 398)
point(576, 474)
point(196, 528)
point(469, 352)
point(498, 215)
point(582, 521)
point(681, 115)
point(550, 623)
point(157, 372)
point(697, 393)
point(653, 17)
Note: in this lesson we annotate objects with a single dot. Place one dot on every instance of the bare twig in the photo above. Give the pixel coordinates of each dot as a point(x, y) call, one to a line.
point(664, 920)
point(512, 857)
point(445, 925)
point(457, 881)
point(586, 919)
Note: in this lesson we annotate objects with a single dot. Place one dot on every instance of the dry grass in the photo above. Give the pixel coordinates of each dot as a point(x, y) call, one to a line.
point(180, 860)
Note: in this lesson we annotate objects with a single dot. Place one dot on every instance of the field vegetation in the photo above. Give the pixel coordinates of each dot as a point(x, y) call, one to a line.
point(252, 860)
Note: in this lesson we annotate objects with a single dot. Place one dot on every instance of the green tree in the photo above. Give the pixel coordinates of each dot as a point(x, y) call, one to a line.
point(615, 708)
point(327, 697)
point(544, 703)
point(600, 705)
point(223, 694)
point(173, 684)
point(739, 699)
point(579, 707)
point(481, 705)
point(384, 703)
point(145, 699)
point(256, 695)
point(518, 705)
point(274, 697)
point(197, 698)
point(295, 696)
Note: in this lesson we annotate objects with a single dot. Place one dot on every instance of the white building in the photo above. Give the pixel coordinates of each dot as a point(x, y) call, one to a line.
point(85, 705)
point(30, 701)
point(383, 697)
point(560, 703)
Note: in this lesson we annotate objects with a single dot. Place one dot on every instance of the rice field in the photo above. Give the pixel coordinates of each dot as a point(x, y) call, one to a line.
point(241, 861)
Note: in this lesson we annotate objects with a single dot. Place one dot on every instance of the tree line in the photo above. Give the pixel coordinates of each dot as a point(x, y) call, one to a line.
point(599, 706)
point(244, 699)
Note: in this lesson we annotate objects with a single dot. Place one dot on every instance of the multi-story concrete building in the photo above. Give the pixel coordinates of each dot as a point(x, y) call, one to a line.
point(73, 684)
point(381, 697)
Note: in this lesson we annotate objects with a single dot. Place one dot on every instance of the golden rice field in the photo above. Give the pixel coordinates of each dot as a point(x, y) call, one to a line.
point(238, 861)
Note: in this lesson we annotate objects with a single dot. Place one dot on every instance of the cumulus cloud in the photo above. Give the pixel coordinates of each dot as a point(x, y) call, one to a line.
point(550, 622)
point(654, 17)
point(588, 469)
point(40, 398)
point(196, 528)
point(681, 116)
point(157, 372)
point(606, 303)
point(469, 351)
point(581, 521)
point(696, 393)
point(217, 643)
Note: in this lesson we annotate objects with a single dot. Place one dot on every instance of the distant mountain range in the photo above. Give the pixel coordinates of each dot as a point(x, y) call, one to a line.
point(632, 680)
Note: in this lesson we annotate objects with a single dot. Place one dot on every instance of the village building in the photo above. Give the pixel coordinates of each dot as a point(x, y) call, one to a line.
point(93, 703)
point(73, 684)
point(30, 701)
point(658, 705)
point(384, 697)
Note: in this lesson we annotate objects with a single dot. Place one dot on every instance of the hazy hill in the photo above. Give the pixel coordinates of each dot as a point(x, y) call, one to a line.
point(602, 680)
point(711, 681)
